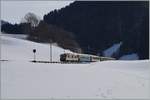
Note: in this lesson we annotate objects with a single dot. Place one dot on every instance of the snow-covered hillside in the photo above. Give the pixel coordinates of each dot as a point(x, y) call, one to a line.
point(112, 50)
point(19, 49)
point(108, 79)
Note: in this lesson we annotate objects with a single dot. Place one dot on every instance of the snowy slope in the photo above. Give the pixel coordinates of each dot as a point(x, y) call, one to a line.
point(109, 79)
point(18, 49)
point(19, 36)
point(113, 49)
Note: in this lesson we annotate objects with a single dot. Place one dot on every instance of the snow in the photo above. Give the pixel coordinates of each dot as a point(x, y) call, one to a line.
point(19, 49)
point(20, 36)
point(113, 49)
point(108, 79)
point(133, 56)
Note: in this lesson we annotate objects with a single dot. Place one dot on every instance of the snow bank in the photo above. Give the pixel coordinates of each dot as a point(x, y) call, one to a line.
point(110, 79)
point(132, 56)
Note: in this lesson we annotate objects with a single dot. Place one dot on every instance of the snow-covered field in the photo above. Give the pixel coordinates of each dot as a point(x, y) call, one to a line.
point(108, 79)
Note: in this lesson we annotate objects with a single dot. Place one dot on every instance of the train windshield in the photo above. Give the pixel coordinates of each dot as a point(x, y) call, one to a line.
point(63, 55)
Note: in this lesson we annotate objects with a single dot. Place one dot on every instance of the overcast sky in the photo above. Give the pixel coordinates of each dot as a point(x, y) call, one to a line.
point(14, 11)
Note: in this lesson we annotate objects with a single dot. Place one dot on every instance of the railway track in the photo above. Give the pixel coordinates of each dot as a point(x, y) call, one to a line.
point(58, 62)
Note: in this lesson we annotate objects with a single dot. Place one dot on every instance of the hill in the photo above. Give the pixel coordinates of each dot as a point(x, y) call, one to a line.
point(98, 25)
point(15, 48)
point(44, 33)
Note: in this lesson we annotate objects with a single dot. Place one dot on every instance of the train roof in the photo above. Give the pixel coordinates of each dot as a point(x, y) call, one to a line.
point(87, 55)
point(80, 54)
point(108, 57)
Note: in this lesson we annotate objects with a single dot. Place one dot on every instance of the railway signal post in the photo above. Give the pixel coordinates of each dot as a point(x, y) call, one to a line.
point(34, 56)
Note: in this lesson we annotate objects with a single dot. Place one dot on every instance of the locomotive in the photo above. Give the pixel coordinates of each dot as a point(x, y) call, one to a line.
point(70, 57)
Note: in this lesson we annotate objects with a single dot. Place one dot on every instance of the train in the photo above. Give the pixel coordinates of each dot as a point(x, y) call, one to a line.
point(70, 57)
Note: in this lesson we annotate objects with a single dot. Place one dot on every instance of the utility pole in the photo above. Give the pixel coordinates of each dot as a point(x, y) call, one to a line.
point(50, 50)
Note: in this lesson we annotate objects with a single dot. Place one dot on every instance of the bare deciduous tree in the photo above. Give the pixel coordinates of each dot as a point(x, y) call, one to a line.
point(32, 19)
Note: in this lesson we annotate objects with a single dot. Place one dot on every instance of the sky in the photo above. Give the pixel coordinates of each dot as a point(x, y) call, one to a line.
point(14, 11)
